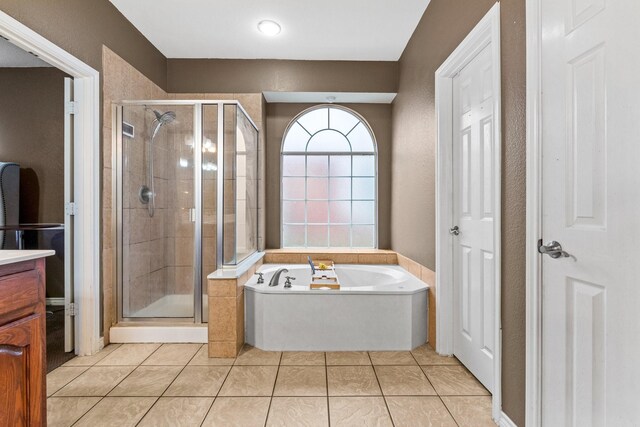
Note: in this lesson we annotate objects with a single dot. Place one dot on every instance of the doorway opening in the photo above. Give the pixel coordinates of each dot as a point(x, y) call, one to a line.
point(60, 181)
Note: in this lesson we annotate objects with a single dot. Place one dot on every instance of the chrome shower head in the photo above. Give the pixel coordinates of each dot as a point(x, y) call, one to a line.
point(164, 118)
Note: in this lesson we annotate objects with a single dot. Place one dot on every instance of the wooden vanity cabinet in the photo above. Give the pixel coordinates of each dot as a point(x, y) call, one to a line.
point(22, 344)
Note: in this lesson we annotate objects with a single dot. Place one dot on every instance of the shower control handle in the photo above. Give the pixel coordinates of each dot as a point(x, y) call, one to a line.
point(260, 278)
point(287, 283)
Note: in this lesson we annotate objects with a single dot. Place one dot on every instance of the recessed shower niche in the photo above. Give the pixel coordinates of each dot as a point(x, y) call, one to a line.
point(186, 199)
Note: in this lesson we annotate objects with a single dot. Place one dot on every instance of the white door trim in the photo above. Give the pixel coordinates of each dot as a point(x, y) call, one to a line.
point(87, 176)
point(486, 32)
point(533, 371)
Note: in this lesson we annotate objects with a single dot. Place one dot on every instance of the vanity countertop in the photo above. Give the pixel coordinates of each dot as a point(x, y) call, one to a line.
point(13, 256)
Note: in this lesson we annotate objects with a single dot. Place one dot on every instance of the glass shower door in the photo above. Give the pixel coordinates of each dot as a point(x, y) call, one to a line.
point(156, 212)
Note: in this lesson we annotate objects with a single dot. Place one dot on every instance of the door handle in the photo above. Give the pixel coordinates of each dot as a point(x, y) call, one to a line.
point(553, 249)
point(454, 231)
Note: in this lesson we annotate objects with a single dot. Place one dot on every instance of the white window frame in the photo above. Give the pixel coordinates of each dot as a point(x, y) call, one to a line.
point(350, 154)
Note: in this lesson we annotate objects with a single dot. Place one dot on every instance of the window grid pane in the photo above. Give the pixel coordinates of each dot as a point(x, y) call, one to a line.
point(338, 190)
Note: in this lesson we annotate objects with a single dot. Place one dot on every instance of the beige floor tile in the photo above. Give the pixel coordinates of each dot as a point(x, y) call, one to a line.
point(250, 381)
point(358, 411)
point(404, 381)
point(177, 412)
point(301, 381)
point(298, 411)
point(302, 358)
point(62, 376)
point(173, 354)
point(64, 411)
point(202, 359)
point(117, 412)
point(419, 411)
point(129, 354)
point(96, 381)
point(426, 355)
point(454, 380)
point(254, 356)
point(147, 381)
point(470, 411)
point(335, 358)
point(352, 381)
point(93, 359)
point(392, 358)
point(199, 381)
point(238, 411)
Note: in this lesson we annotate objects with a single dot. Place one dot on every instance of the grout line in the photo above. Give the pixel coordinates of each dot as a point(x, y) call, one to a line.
point(273, 390)
point(148, 410)
point(326, 377)
point(447, 408)
point(384, 399)
point(87, 411)
point(219, 390)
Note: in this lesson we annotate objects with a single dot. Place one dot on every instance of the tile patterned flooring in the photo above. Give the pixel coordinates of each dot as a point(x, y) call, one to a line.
point(178, 385)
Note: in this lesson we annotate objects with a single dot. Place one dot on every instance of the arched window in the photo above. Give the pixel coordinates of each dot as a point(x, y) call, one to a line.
point(329, 180)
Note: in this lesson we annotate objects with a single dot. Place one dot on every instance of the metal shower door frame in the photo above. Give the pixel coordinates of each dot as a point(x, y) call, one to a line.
point(117, 198)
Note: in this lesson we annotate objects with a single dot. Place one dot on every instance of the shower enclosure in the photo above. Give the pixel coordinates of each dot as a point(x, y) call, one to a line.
point(186, 198)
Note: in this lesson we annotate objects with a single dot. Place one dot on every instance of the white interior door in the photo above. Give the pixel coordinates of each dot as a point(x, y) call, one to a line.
point(69, 208)
point(473, 204)
point(591, 205)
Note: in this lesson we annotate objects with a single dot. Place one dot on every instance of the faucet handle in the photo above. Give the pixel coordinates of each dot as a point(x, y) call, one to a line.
point(260, 278)
point(287, 283)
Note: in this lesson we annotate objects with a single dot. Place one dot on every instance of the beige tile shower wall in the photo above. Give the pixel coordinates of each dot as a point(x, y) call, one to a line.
point(121, 81)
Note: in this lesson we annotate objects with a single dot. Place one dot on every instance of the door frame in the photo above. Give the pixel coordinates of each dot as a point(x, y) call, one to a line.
point(533, 340)
point(485, 33)
point(86, 167)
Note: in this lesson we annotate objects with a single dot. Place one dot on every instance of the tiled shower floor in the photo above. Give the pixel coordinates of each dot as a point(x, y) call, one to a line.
point(178, 385)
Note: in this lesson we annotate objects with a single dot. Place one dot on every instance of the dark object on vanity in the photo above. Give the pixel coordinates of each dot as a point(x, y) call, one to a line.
point(22, 344)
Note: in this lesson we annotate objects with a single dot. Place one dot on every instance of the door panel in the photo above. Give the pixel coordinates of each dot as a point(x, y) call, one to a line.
point(591, 200)
point(473, 175)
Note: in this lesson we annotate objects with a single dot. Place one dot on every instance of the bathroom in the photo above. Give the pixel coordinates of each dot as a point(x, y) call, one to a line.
point(177, 282)
point(333, 214)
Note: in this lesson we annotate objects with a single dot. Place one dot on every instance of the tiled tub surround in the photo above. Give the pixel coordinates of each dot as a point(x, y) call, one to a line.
point(226, 307)
point(221, 338)
point(378, 307)
point(177, 384)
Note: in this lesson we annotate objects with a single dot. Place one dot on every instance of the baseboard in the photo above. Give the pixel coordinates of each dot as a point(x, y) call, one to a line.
point(55, 301)
point(505, 421)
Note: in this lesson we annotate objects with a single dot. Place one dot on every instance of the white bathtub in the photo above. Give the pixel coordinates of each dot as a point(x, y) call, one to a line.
point(379, 307)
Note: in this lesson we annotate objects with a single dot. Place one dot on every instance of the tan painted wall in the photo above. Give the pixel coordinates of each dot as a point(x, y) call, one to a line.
point(32, 134)
point(279, 116)
point(81, 27)
point(443, 26)
point(245, 75)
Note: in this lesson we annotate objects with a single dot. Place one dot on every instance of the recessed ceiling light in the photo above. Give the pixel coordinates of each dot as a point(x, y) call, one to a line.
point(269, 28)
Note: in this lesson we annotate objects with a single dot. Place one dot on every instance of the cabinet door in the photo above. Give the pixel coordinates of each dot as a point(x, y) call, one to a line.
point(22, 375)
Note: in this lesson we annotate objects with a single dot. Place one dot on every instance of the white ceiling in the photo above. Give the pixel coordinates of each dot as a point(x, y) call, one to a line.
point(373, 30)
point(12, 56)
